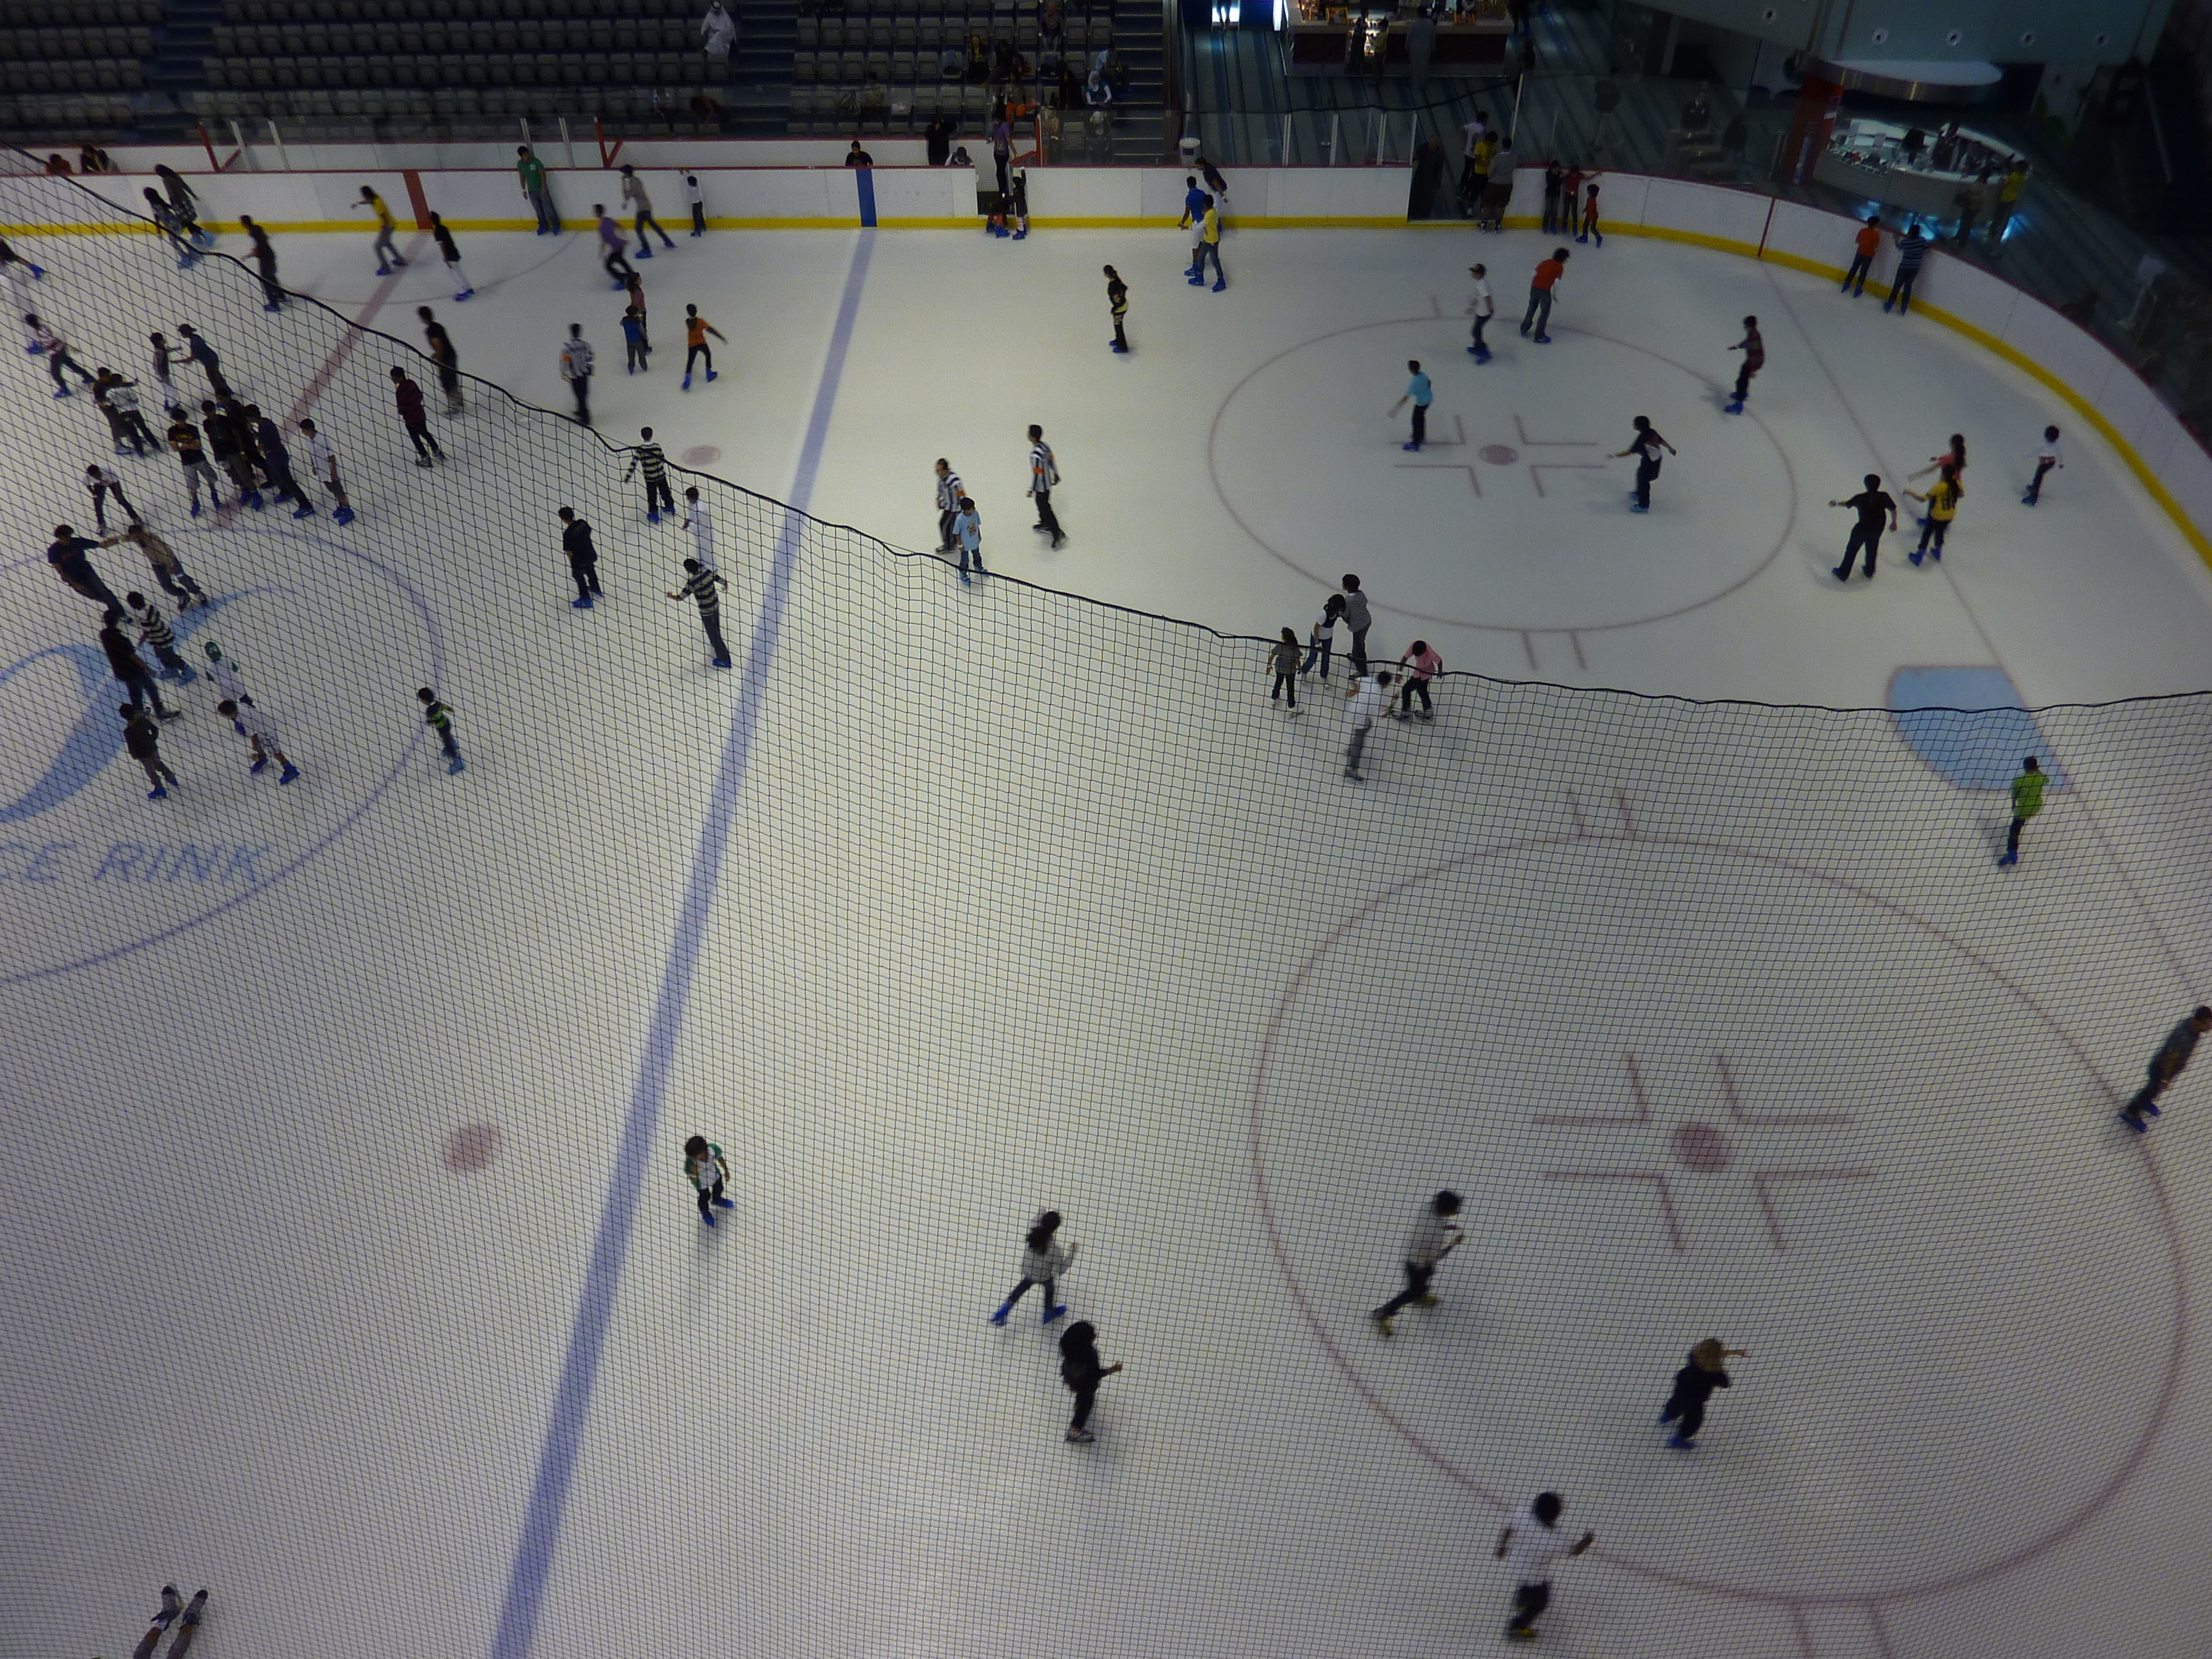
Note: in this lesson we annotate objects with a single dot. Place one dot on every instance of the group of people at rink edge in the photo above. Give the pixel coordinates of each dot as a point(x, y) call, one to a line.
point(250, 450)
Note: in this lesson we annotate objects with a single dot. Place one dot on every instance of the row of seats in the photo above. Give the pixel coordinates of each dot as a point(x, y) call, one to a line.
point(57, 46)
point(929, 34)
point(85, 75)
point(444, 103)
point(924, 101)
point(428, 11)
point(495, 68)
point(317, 40)
point(72, 114)
point(900, 67)
point(61, 13)
point(829, 9)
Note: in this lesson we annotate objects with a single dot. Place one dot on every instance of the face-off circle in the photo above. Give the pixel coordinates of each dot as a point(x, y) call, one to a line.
point(1512, 515)
point(1689, 1091)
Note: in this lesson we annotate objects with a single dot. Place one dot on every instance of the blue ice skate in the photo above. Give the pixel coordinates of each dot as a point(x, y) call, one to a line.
point(713, 375)
point(721, 662)
point(454, 765)
point(2008, 860)
point(582, 602)
point(344, 515)
point(1051, 1314)
point(288, 774)
point(687, 382)
point(1680, 1444)
point(259, 765)
point(465, 293)
point(158, 793)
point(303, 511)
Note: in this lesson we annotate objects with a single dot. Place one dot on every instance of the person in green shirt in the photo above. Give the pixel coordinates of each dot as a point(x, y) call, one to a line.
point(531, 172)
point(2027, 802)
point(704, 1168)
point(439, 719)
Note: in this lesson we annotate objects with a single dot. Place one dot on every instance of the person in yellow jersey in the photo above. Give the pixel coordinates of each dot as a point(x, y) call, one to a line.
point(1209, 247)
point(2027, 802)
point(384, 247)
point(1942, 497)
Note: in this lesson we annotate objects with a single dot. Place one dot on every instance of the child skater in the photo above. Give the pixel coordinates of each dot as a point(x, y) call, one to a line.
point(705, 1168)
point(1943, 498)
point(2048, 458)
point(1435, 1237)
point(1481, 306)
point(1042, 1263)
point(1754, 359)
point(1117, 303)
point(1645, 447)
point(1080, 1370)
point(1324, 636)
point(1955, 456)
point(1590, 232)
point(172, 1605)
point(260, 736)
point(439, 719)
point(1693, 1385)
point(155, 635)
point(1283, 659)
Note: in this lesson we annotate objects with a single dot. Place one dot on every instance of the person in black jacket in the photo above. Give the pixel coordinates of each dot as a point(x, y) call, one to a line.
point(1693, 1385)
point(583, 557)
point(124, 663)
point(1428, 176)
point(1080, 1370)
point(142, 739)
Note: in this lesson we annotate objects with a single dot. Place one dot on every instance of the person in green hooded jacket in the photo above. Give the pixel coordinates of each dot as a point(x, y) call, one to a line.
point(2027, 802)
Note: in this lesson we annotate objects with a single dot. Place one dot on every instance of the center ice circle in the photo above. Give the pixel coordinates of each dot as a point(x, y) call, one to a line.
point(1687, 1092)
point(1513, 515)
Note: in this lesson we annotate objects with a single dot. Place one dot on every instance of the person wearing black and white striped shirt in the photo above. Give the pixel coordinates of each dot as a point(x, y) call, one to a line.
point(157, 636)
point(948, 503)
point(649, 457)
point(1043, 475)
point(701, 584)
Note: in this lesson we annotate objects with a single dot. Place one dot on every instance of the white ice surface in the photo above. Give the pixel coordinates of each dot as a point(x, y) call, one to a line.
point(1016, 913)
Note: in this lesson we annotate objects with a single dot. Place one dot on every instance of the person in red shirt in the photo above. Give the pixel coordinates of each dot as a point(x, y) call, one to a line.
point(1590, 232)
point(1540, 295)
point(407, 394)
point(1869, 243)
point(1754, 359)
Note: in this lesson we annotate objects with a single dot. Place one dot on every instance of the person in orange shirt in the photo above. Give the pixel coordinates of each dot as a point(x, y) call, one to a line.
point(1869, 242)
point(695, 330)
point(1540, 295)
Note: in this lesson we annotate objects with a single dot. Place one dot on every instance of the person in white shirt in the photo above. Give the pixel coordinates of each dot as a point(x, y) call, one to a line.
point(1530, 1545)
point(1481, 307)
point(700, 524)
point(576, 370)
point(2048, 459)
point(1044, 473)
point(260, 736)
point(1435, 1237)
point(633, 194)
point(949, 489)
point(1324, 637)
point(718, 30)
point(1044, 1261)
point(968, 531)
point(696, 199)
point(224, 673)
point(323, 462)
point(1371, 701)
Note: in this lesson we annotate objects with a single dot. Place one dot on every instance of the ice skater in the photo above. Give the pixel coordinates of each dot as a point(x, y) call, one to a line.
point(66, 554)
point(948, 503)
point(1194, 220)
point(188, 1625)
point(1371, 701)
point(1531, 1545)
point(2049, 459)
point(2167, 1064)
point(276, 463)
point(1044, 1260)
point(700, 584)
point(646, 226)
point(260, 737)
point(322, 461)
point(1209, 247)
point(576, 361)
point(445, 357)
point(1283, 659)
point(165, 218)
point(198, 351)
point(46, 341)
point(1873, 504)
point(172, 1605)
point(450, 251)
point(384, 247)
point(155, 635)
point(701, 525)
point(529, 172)
point(1481, 307)
point(228, 446)
point(142, 741)
point(695, 349)
point(706, 1170)
point(1754, 359)
point(1357, 617)
point(223, 671)
point(1865, 245)
point(104, 482)
point(1323, 642)
point(1554, 176)
point(164, 362)
point(968, 531)
point(265, 260)
point(696, 199)
point(121, 401)
point(1420, 666)
point(1941, 500)
point(1080, 1370)
point(1590, 232)
point(1911, 254)
point(2027, 802)
point(1044, 473)
point(1645, 447)
point(1541, 288)
point(1955, 456)
point(583, 557)
point(648, 458)
point(1435, 1236)
point(1420, 394)
point(1694, 1383)
point(438, 715)
point(634, 345)
point(407, 393)
point(125, 664)
point(633, 285)
point(168, 570)
point(614, 247)
point(1117, 307)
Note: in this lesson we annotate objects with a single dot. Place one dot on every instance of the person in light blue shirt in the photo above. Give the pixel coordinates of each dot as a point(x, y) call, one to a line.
point(1420, 395)
point(967, 533)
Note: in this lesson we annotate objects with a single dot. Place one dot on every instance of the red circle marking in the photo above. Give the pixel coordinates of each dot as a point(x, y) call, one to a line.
point(701, 455)
point(2161, 1202)
point(1500, 454)
point(473, 1148)
point(1213, 473)
point(1701, 1147)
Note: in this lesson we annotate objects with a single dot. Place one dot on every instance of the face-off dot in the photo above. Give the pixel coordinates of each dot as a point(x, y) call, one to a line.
point(1500, 454)
point(1701, 1147)
point(701, 455)
point(473, 1148)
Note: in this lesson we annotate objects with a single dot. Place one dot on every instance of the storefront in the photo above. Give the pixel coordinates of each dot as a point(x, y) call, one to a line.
point(1326, 37)
point(1916, 170)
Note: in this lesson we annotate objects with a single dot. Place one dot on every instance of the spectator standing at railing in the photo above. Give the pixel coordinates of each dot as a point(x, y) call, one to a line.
point(1475, 173)
point(1002, 148)
point(1911, 252)
point(1498, 193)
point(1865, 245)
point(718, 32)
point(531, 173)
point(1428, 174)
point(264, 261)
point(696, 199)
point(1554, 176)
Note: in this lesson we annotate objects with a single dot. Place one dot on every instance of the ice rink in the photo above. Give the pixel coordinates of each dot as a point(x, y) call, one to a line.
point(352, 1271)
